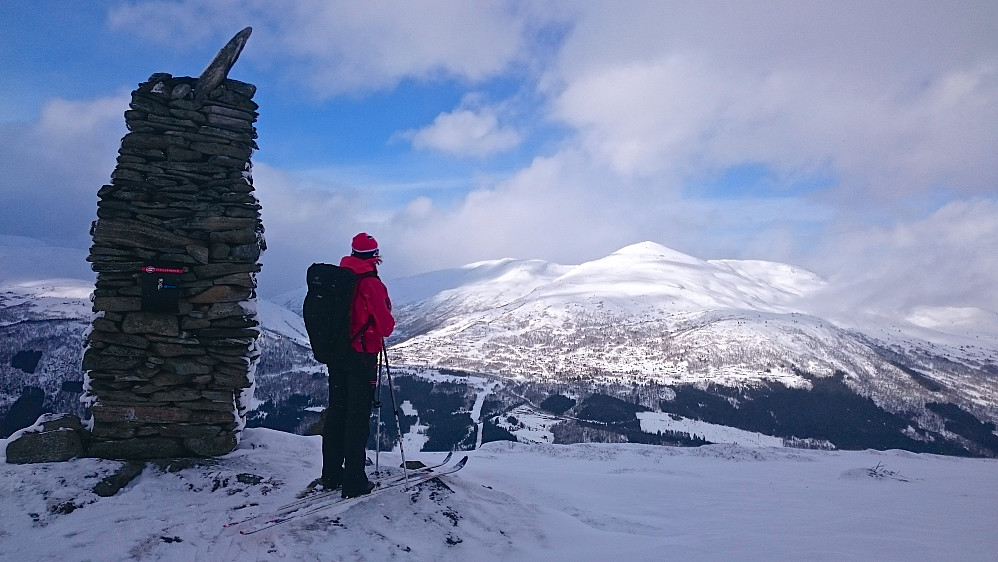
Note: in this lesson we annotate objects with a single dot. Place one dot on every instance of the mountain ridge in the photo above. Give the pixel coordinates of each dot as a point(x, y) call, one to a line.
point(645, 316)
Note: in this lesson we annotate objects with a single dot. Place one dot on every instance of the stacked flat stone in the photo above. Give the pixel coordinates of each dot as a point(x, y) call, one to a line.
point(169, 384)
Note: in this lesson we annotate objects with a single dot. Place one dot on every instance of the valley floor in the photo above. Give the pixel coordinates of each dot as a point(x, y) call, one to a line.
point(519, 502)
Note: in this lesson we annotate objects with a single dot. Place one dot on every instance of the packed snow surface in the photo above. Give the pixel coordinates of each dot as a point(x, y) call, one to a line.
point(518, 502)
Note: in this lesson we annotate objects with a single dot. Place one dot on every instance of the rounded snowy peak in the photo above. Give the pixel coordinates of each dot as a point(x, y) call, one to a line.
point(651, 251)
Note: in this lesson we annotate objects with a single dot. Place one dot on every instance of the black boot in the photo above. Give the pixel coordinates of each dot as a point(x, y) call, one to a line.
point(318, 485)
point(362, 489)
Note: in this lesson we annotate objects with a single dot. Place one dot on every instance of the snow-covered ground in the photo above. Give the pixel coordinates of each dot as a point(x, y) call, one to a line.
point(661, 421)
point(519, 502)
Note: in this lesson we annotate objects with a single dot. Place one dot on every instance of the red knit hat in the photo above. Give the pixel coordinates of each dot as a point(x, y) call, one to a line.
point(364, 243)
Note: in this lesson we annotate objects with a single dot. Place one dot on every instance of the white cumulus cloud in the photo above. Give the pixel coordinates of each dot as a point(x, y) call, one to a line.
point(338, 46)
point(465, 132)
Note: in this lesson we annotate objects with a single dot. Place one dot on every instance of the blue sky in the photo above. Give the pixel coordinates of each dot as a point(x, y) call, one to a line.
point(856, 139)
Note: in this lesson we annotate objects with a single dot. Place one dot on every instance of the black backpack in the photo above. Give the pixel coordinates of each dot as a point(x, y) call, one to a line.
point(326, 310)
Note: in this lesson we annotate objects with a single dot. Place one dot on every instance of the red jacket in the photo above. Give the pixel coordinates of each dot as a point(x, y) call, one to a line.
point(370, 303)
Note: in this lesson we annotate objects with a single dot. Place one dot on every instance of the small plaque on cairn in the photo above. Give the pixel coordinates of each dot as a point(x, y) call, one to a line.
point(172, 349)
point(161, 287)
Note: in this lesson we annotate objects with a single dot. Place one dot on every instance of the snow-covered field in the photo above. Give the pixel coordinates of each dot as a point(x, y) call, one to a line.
point(661, 421)
point(519, 502)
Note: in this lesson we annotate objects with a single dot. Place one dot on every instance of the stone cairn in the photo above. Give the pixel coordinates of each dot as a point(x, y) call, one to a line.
point(172, 349)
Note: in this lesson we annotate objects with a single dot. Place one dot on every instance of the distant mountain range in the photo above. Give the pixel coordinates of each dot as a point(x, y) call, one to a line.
point(596, 351)
point(745, 331)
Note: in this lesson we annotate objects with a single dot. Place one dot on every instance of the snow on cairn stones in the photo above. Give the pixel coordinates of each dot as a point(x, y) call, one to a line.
point(172, 349)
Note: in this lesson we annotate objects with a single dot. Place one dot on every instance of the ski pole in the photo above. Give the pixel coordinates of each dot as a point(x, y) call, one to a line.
point(377, 439)
point(395, 409)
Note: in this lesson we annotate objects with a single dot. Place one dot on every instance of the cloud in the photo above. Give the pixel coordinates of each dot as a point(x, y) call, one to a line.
point(948, 258)
point(466, 131)
point(567, 208)
point(54, 166)
point(873, 122)
point(340, 46)
point(307, 220)
point(166, 20)
point(887, 99)
point(559, 209)
point(555, 209)
point(863, 90)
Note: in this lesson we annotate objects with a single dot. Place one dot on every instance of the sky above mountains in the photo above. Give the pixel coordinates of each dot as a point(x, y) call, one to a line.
point(856, 139)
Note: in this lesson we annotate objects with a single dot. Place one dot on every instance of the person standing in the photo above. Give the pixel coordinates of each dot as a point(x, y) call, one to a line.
point(352, 381)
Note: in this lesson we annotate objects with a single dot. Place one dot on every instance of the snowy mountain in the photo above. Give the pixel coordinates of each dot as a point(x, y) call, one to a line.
point(516, 501)
point(648, 314)
point(645, 291)
point(565, 321)
point(647, 345)
point(747, 342)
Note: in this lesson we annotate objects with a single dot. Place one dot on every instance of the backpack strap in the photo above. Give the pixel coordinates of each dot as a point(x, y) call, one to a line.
point(370, 320)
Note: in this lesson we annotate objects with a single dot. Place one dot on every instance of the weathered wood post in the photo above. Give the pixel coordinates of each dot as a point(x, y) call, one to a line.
point(172, 349)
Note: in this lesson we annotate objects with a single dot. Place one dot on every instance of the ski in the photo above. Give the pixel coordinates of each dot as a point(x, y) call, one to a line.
point(305, 511)
point(302, 498)
point(418, 471)
point(331, 494)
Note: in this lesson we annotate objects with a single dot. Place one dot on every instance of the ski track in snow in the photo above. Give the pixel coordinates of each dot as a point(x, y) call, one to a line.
point(519, 502)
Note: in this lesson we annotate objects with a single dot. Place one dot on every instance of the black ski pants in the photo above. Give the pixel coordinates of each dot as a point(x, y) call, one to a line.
point(344, 436)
